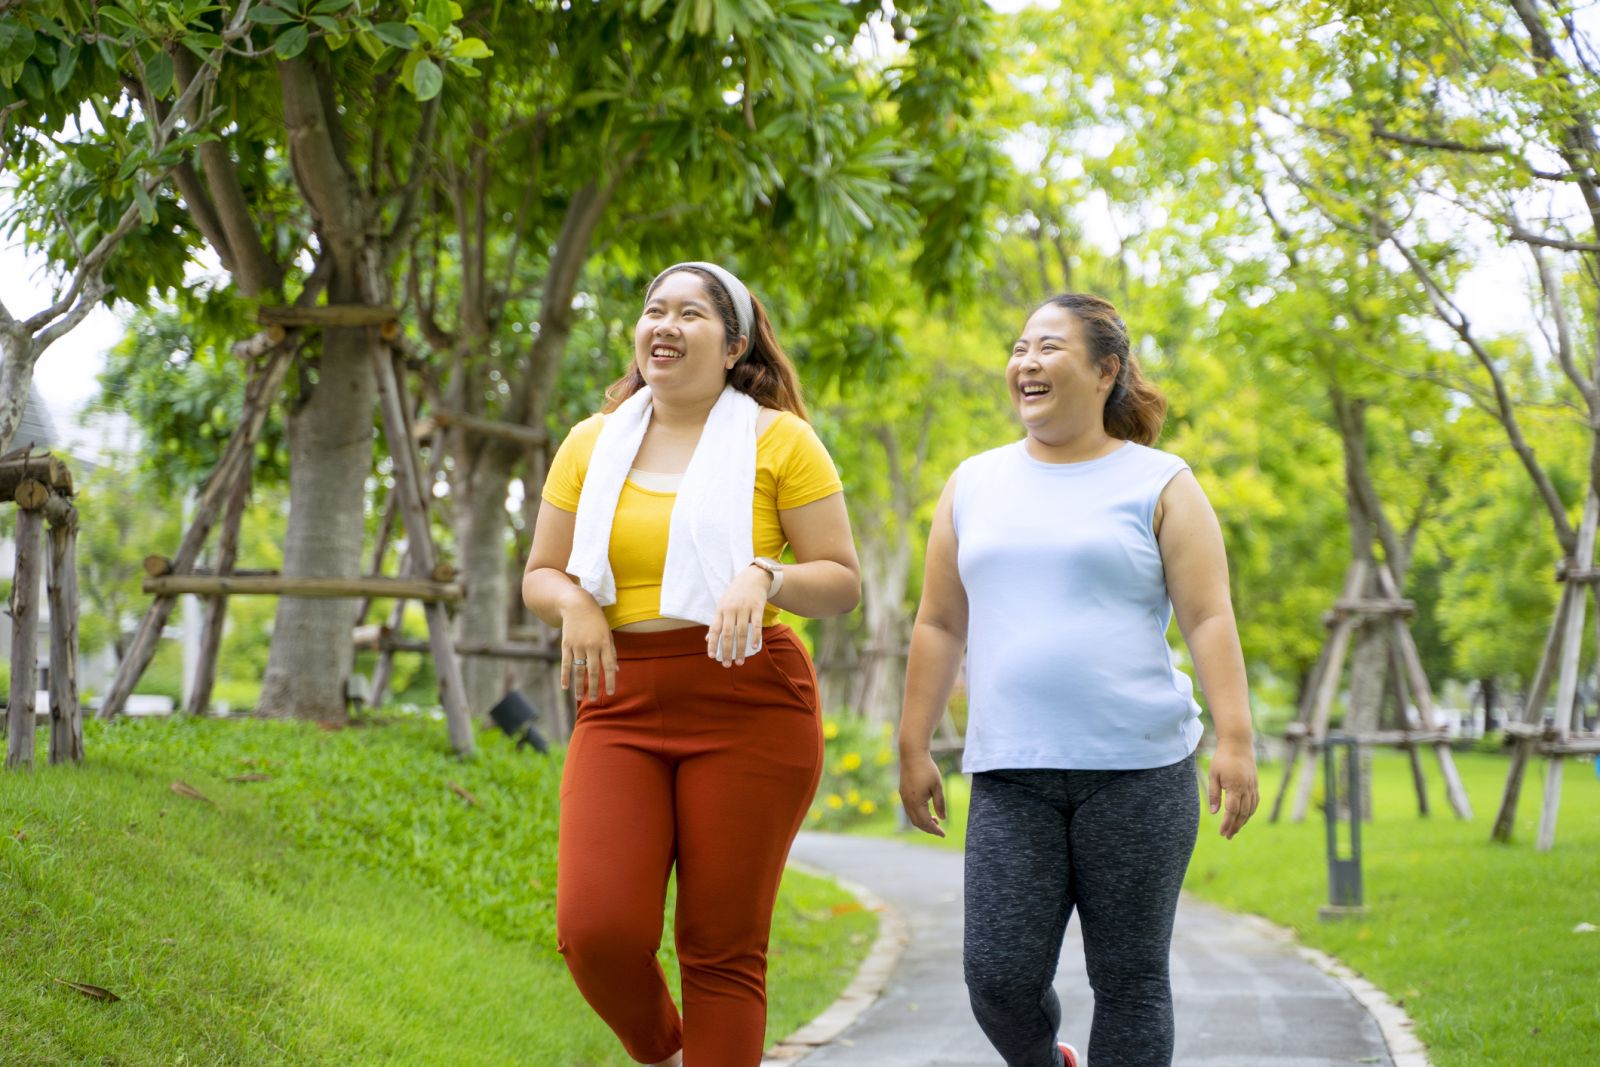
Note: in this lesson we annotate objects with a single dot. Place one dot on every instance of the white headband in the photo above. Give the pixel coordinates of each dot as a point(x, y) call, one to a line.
point(736, 289)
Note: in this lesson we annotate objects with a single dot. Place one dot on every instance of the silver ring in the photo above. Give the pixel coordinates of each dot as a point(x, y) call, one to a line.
point(579, 662)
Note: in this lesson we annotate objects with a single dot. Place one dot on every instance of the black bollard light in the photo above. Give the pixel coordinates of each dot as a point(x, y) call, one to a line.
point(1344, 872)
point(515, 717)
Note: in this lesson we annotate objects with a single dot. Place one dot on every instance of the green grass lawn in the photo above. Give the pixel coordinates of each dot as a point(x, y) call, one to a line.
point(353, 907)
point(1475, 940)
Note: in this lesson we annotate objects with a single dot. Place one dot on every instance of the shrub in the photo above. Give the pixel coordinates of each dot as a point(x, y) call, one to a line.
point(860, 777)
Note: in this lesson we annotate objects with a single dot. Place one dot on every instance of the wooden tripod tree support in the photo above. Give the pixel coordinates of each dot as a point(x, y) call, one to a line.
point(41, 487)
point(229, 483)
point(223, 484)
point(1563, 735)
point(1370, 592)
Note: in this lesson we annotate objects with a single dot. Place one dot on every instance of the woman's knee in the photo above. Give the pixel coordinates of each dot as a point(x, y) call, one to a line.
point(994, 985)
point(596, 940)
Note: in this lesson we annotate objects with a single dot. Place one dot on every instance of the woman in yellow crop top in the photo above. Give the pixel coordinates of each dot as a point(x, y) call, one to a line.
point(698, 742)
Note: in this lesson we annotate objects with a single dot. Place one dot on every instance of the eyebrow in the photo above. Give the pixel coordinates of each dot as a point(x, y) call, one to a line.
point(1043, 337)
point(692, 301)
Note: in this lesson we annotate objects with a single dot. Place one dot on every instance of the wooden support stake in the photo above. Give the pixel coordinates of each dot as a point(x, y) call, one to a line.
point(45, 469)
point(237, 457)
point(24, 639)
point(216, 609)
point(323, 316)
point(528, 436)
point(1530, 716)
point(1318, 700)
point(66, 719)
point(1571, 641)
point(419, 539)
point(424, 589)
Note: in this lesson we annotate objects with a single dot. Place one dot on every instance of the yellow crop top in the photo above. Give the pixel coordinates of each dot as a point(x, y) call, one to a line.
point(792, 469)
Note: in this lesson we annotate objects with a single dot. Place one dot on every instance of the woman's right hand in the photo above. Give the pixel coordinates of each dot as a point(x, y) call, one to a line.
point(588, 654)
point(921, 784)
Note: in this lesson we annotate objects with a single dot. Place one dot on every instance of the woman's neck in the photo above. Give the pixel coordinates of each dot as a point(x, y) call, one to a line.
point(681, 414)
point(1056, 446)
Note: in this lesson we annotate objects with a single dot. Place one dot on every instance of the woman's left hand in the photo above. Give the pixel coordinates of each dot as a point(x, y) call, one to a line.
point(1233, 771)
point(739, 610)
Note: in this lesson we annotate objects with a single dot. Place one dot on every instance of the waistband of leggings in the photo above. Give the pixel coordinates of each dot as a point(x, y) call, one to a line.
point(686, 641)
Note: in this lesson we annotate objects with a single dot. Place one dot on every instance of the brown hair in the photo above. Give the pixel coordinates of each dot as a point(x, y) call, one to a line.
point(1135, 409)
point(763, 373)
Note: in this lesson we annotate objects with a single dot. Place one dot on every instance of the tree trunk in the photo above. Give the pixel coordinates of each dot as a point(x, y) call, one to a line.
point(885, 567)
point(16, 376)
point(482, 529)
point(330, 453)
point(837, 663)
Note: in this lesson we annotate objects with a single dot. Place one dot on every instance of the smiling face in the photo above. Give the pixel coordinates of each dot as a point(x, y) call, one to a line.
point(1054, 384)
point(680, 344)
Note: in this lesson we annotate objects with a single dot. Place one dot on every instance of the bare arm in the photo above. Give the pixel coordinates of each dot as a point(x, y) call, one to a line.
point(937, 640)
point(553, 595)
point(824, 580)
point(1196, 566)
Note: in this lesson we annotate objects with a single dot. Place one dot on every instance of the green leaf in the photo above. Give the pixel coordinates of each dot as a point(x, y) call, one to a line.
point(118, 16)
point(131, 163)
point(470, 48)
point(439, 15)
point(158, 75)
point(147, 207)
point(370, 44)
point(30, 82)
point(66, 63)
point(396, 33)
point(329, 24)
point(592, 97)
point(92, 156)
point(328, 7)
point(270, 16)
point(292, 42)
point(16, 43)
point(427, 79)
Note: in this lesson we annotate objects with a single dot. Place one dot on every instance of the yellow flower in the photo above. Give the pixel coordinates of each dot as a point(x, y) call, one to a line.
point(853, 797)
point(851, 761)
point(835, 801)
point(883, 758)
point(830, 730)
point(867, 807)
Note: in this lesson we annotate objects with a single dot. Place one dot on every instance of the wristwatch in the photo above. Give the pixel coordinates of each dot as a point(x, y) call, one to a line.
point(772, 567)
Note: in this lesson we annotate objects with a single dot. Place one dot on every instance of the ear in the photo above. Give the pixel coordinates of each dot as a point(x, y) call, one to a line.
point(1109, 370)
point(736, 352)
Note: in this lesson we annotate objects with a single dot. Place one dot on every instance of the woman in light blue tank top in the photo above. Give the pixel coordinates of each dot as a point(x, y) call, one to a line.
point(1056, 564)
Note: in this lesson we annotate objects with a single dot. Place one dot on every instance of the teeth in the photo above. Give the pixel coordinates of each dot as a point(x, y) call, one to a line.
point(664, 353)
point(1035, 390)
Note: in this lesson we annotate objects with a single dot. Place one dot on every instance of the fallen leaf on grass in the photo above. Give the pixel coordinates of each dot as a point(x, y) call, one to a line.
point(184, 789)
point(252, 777)
point(463, 794)
point(88, 990)
point(21, 835)
point(331, 724)
point(846, 909)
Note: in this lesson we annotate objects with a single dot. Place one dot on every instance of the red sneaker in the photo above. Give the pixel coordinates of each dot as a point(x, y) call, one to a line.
point(1069, 1054)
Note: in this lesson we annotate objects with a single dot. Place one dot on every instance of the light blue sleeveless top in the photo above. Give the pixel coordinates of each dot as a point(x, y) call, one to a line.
point(1068, 665)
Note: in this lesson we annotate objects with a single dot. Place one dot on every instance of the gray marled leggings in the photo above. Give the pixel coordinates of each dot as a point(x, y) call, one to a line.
point(1112, 844)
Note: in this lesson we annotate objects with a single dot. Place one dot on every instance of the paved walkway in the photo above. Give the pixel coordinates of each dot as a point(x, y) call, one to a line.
point(1242, 998)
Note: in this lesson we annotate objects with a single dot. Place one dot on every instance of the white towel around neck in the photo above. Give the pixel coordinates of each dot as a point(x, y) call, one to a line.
point(709, 540)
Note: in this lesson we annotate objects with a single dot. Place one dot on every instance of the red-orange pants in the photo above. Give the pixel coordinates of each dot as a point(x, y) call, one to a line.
point(707, 767)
